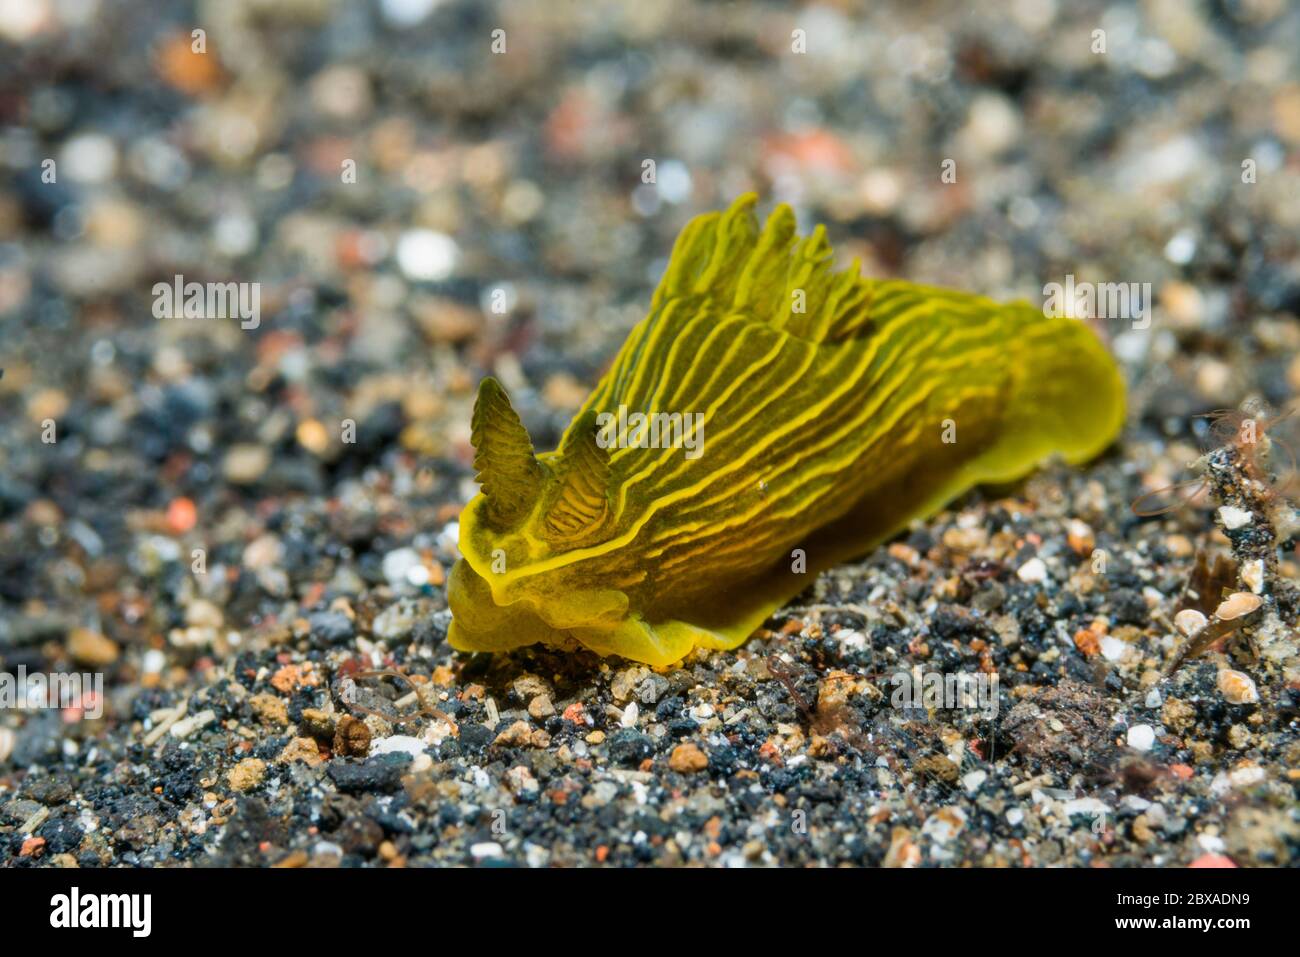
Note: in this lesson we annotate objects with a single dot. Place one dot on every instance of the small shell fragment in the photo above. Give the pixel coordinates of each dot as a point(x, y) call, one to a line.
point(1252, 574)
point(1237, 687)
point(1080, 536)
point(1189, 621)
point(1238, 605)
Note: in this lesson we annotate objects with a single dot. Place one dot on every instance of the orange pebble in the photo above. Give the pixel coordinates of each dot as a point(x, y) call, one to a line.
point(185, 69)
point(575, 713)
point(181, 515)
point(1087, 642)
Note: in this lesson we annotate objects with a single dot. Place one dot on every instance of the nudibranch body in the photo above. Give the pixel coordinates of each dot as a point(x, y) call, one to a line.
point(769, 418)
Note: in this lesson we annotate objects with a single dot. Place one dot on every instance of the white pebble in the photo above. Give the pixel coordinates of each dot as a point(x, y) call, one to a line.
point(1233, 517)
point(851, 640)
point(1032, 571)
point(1112, 649)
point(1131, 346)
point(1086, 807)
point(398, 564)
point(23, 18)
point(1141, 737)
point(1181, 247)
point(944, 824)
point(449, 537)
point(235, 234)
point(406, 13)
point(89, 158)
point(674, 182)
point(1246, 776)
point(1210, 842)
point(630, 714)
point(397, 743)
point(974, 780)
point(536, 856)
point(423, 254)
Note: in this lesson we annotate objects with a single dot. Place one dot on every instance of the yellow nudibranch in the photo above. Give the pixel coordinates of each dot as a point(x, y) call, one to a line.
point(804, 416)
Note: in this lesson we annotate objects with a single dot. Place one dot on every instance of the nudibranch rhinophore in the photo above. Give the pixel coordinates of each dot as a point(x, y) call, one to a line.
point(769, 418)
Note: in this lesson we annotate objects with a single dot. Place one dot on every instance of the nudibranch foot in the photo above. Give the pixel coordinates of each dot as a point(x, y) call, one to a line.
point(658, 644)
